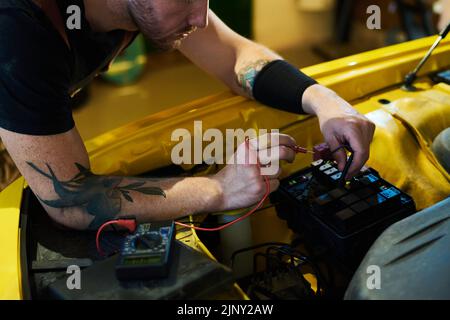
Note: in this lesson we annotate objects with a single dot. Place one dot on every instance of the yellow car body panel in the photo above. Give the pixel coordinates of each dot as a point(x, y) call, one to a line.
point(10, 274)
point(131, 149)
point(400, 150)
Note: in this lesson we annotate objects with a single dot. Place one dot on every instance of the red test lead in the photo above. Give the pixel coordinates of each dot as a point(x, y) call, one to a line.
point(298, 149)
point(129, 224)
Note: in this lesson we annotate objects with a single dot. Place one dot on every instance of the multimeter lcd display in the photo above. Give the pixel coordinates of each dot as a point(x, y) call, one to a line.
point(141, 260)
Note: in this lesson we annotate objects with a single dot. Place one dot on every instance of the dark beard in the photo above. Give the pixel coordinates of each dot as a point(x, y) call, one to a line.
point(166, 44)
point(163, 44)
point(160, 44)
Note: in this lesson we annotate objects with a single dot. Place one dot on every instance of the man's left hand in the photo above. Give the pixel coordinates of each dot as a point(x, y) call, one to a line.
point(340, 124)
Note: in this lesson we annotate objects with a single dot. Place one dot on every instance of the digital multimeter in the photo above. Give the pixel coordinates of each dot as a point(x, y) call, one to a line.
point(146, 253)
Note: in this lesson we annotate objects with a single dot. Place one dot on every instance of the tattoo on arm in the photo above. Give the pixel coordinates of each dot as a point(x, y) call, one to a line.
point(247, 75)
point(101, 196)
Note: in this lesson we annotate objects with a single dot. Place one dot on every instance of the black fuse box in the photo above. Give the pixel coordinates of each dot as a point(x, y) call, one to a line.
point(344, 219)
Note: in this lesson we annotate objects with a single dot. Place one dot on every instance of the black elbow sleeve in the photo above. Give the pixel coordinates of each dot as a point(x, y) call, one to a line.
point(281, 85)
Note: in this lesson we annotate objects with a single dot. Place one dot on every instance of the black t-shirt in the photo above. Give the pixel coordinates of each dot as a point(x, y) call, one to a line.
point(39, 74)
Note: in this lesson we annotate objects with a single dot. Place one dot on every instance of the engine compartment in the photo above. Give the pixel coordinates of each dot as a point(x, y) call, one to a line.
point(37, 251)
point(286, 262)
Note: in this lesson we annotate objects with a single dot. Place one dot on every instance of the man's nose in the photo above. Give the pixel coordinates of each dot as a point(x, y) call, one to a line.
point(199, 17)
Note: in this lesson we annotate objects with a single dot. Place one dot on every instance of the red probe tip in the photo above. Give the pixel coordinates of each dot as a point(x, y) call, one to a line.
point(298, 149)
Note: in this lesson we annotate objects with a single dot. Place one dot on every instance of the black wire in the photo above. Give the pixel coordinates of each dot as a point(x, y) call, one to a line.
point(296, 269)
point(221, 224)
point(345, 171)
point(297, 254)
point(277, 249)
point(284, 249)
point(306, 283)
point(347, 164)
point(268, 258)
point(285, 267)
point(235, 253)
point(293, 253)
point(320, 279)
point(342, 146)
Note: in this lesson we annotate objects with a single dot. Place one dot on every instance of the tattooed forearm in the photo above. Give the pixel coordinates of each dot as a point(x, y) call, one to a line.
point(101, 196)
point(247, 75)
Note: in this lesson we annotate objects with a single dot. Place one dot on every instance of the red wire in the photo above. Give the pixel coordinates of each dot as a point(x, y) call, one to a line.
point(266, 180)
point(127, 223)
point(238, 219)
point(298, 149)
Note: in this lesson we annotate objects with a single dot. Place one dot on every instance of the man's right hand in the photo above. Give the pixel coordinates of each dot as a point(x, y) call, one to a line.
point(242, 183)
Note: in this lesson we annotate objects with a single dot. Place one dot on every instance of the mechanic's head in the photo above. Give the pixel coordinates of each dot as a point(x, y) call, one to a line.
point(166, 22)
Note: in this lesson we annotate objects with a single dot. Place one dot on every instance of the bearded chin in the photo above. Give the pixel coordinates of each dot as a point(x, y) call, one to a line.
point(135, 9)
point(163, 45)
point(166, 44)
